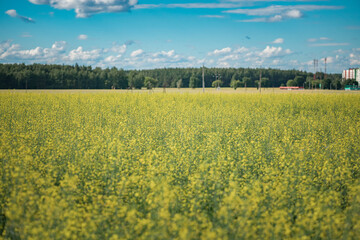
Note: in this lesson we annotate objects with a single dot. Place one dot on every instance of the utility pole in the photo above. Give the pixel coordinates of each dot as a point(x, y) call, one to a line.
point(203, 79)
point(315, 65)
point(321, 85)
point(325, 68)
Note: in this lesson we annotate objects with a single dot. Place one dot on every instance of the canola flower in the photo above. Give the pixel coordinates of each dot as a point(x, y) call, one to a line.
point(179, 166)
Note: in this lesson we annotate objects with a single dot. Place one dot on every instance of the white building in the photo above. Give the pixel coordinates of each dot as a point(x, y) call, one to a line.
point(352, 73)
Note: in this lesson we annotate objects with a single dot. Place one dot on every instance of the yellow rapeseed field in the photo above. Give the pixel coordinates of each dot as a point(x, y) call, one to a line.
point(179, 166)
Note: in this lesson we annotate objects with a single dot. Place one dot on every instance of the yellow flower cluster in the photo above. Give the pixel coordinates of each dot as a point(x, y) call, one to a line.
point(179, 166)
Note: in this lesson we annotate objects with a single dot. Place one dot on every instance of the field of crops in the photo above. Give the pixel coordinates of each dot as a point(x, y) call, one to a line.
point(179, 166)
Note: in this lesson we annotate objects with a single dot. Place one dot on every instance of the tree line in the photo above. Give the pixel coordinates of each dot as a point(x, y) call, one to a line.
point(51, 76)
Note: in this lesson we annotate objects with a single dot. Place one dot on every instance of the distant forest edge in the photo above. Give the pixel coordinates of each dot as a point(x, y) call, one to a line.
point(40, 76)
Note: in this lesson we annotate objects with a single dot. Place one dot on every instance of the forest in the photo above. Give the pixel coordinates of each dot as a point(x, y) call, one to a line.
point(47, 76)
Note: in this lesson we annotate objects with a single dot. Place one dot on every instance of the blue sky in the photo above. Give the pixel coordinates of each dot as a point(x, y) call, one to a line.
point(145, 34)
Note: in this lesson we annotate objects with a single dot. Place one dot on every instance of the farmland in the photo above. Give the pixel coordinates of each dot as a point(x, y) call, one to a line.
point(104, 165)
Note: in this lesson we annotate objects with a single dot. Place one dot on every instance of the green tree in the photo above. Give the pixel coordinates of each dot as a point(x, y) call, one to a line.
point(150, 82)
point(326, 83)
point(265, 82)
point(299, 81)
point(348, 82)
point(335, 84)
point(291, 83)
point(193, 82)
point(235, 84)
point(308, 82)
point(136, 80)
point(217, 83)
point(116, 79)
point(246, 81)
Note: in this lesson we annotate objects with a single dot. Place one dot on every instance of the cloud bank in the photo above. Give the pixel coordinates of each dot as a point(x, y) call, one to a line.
point(278, 13)
point(129, 57)
point(87, 8)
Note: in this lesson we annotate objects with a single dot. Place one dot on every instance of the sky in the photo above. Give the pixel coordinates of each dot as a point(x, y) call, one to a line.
point(147, 34)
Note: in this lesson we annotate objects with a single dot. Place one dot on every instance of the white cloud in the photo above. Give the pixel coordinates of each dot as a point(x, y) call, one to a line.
point(7, 46)
point(277, 13)
point(310, 63)
point(269, 52)
point(80, 55)
point(164, 53)
point(278, 41)
point(112, 59)
point(254, 20)
point(11, 13)
point(328, 44)
point(82, 37)
point(281, 9)
point(242, 56)
point(137, 53)
point(355, 57)
point(120, 49)
point(225, 4)
point(14, 14)
point(276, 61)
point(149, 60)
point(318, 39)
point(328, 60)
point(241, 50)
point(232, 57)
point(11, 52)
point(40, 1)
point(220, 51)
point(212, 16)
point(276, 18)
point(59, 46)
point(294, 13)
point(223, 65)
point(86, 8)
point(190, 5)
point(117, 55)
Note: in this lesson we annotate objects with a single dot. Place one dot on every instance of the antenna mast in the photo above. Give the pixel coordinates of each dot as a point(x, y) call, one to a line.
point(325, 68)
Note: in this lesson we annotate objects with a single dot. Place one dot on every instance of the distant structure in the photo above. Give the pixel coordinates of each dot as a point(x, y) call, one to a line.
point(316, 64)
point(351, 73)
point(292, 88)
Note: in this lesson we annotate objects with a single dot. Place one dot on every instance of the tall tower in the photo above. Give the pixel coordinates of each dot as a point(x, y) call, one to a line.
point(325, 68)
